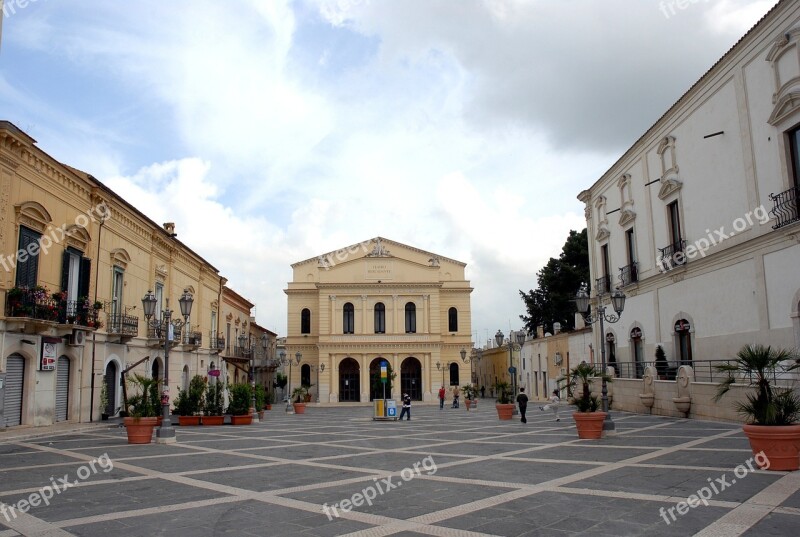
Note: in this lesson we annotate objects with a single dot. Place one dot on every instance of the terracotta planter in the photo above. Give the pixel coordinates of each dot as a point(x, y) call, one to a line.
point(213, 420)
point(186, 421)
point(779, 443)
point(260, 414)
point(589, 424)
point(504, 412)
point(246, 419)
point(268, 406)
point(140, 430)
point(471, 403)
point(299, 408)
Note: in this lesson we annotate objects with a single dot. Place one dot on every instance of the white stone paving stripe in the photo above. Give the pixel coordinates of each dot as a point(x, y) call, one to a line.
point(30, 526)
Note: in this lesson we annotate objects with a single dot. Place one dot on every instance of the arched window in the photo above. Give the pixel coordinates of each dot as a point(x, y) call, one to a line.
point(348, 319)
point(411, 318)
point(683, 331)
point(453, 374)
point(380, 318)
point(452, 320)
point(305, 321)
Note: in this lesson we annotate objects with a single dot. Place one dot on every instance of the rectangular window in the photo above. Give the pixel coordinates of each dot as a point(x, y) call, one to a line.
point(159, 299)
point(631, 246)
point(794, 144)
point(117, 285)
point(228, 338)
point(674, 224)
point(606, 283)
point(28, 263)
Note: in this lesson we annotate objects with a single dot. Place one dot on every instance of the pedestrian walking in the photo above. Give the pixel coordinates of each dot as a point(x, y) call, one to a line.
point(442, 395)
point(553, 405)
point(406, 407)
point(455, 397)
point(483, 392)
point(522, 401)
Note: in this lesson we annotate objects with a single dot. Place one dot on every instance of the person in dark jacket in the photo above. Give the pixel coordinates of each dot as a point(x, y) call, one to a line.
point(406, 407)
point(522, 401)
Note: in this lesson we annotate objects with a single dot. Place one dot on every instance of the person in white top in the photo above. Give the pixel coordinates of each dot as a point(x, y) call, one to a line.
point(553, 405)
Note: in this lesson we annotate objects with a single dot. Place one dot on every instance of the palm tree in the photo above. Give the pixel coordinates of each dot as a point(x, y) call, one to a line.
point(583, 374)
point(769, 405)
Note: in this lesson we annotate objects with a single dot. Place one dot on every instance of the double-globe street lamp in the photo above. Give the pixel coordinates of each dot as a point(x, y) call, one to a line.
point(474, 357)
point(166, 433)
point(499, 338)
point(244, 340)
point(618, 302)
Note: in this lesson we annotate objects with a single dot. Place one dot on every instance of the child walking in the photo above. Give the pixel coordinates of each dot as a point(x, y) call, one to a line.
point(553, 405)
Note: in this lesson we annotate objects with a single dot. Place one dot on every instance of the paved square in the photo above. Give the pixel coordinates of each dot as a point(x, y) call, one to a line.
point(447, 472)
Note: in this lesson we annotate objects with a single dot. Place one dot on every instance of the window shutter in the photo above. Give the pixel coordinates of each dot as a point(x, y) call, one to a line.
point(83, 282)
point(28, 270)
point(65, 270)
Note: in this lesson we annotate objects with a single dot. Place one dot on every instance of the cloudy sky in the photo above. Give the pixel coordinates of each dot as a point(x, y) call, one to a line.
point(274, 131)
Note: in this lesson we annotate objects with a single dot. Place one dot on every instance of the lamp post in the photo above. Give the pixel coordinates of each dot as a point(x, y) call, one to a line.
point(319, 372)
point(441, 367)
point(474, 357)
point(499, 337)
point(166, 433)
point(251, 374)
point(297, 356)
point(618, 302)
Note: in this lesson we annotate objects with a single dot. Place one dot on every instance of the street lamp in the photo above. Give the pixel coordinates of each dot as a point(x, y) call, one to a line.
point(499, 337)
point(618, 303)
point(319, 372)
point(166, 432)
point(441, 367)
point(297, 356)
point(474, 357)
point(243, 341)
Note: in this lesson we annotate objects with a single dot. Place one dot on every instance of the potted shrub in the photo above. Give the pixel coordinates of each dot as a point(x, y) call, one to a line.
point(261, 399)
point(772, 411)
point(239, 406)
point(189, 402)
point(504, 406)
point(298, 394)
point(141, 418)
point(470, 395)
point(213, 404)
point(307, 394)
point(662, 366)
point(103, 401)
point(270, 400)
point(588, 420)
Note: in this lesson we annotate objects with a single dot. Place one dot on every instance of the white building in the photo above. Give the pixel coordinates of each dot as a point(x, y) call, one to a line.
point(698, 221)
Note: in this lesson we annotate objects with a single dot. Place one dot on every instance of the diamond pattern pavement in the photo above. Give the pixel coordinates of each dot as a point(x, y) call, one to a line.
point(333, 471)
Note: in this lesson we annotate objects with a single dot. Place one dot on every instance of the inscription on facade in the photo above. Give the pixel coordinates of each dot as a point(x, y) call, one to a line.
point(379, 270)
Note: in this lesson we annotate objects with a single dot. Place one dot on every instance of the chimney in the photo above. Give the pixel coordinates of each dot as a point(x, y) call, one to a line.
point(540, 331)
point(169, 227)
point(556, 328)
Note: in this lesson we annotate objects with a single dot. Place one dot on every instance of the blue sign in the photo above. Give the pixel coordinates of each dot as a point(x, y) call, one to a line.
point(512, 369)
point(391, 408)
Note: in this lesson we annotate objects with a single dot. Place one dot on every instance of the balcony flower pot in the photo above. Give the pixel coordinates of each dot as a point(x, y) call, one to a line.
point(773, 411)
point(213, 420)
point(140, 430)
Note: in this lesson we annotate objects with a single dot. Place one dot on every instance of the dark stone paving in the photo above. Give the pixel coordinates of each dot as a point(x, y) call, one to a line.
point(227, 481)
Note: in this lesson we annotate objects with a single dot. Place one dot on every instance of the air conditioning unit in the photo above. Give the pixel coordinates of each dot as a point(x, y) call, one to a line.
point(77, 339)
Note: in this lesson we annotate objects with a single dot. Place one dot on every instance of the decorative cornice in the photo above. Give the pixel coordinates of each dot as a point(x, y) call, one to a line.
point(669, 187)
point(602, 234)
point(785, 106)
point(626, 216)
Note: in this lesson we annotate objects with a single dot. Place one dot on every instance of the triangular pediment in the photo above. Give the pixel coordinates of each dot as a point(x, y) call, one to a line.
point(626, 216)
point(669, 187)
point(786, 106)
point(602, 234)
point(379, 247)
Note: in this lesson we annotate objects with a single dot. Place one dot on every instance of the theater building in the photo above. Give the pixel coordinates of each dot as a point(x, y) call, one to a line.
point(378, 300)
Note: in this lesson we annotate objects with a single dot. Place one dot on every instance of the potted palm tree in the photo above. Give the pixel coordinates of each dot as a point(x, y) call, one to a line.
point(298, 394)
point(470, 395)
point(213, 404)
point(772, 411)
point(142, 414)
point(239, 406)
point(504, 406)
point(588, 420)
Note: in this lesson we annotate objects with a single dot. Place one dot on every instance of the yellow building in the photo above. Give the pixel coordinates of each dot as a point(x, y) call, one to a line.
point(76, 261)
point(351, 309)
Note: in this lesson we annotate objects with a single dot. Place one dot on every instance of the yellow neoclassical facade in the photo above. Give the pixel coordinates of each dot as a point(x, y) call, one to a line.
point(75, 262)
point(377, 300)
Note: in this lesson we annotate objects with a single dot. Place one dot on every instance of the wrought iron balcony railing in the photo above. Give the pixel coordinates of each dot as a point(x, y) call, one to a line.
point(629, 274)
point(786, 208)
point(123, 325)
point(158, 330)
point(242, 352)
point(194, 338)
point(673, 255)
point(216, 342)
point(603, 284)
point(38, 303)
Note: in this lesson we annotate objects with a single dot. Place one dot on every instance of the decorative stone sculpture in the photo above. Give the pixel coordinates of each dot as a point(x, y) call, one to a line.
point(684, 400)
point(648, 395)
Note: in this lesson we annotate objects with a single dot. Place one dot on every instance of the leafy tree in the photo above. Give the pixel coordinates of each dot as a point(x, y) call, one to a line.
point(558, 281)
